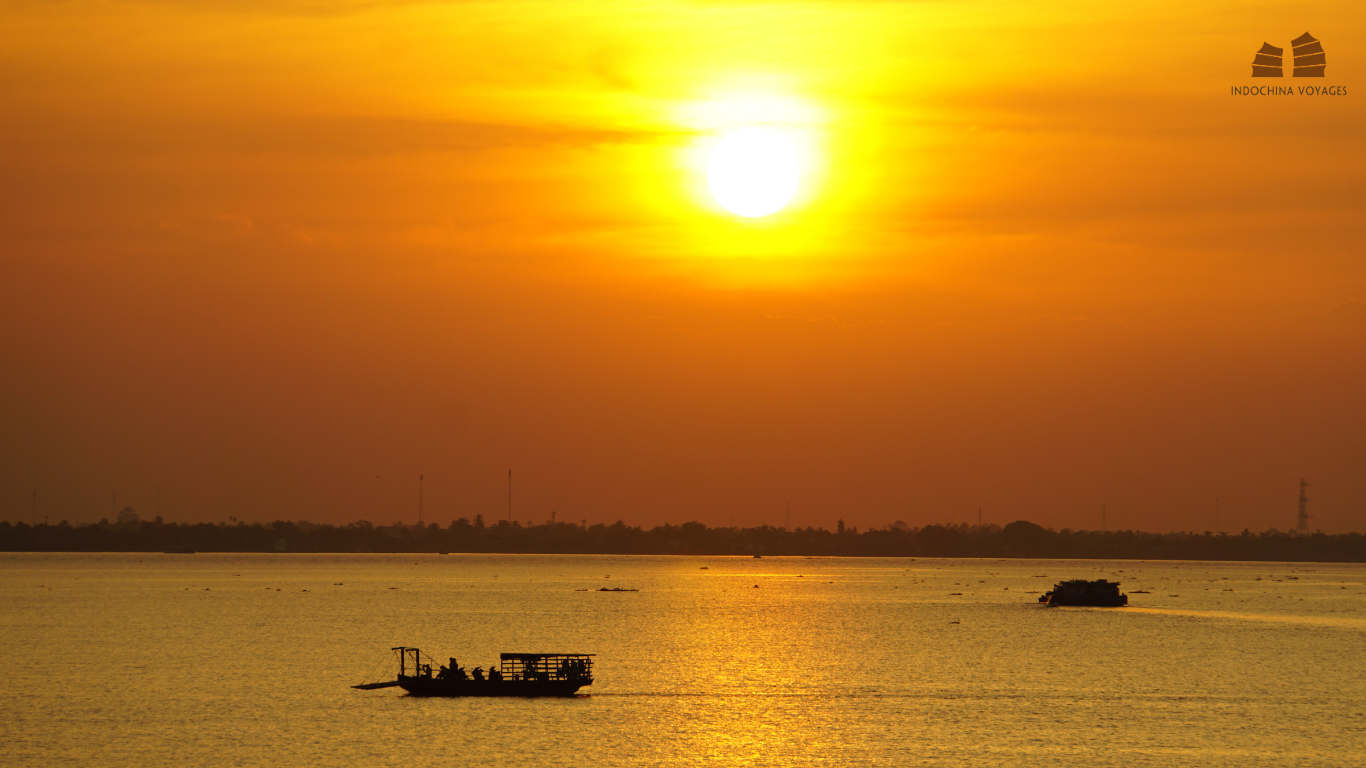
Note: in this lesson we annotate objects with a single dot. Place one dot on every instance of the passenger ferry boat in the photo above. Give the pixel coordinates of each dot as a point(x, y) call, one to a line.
point(518, 674)
point(1099, 593)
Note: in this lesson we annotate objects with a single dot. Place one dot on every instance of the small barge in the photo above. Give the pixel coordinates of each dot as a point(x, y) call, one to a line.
point(517, 674)
point(1099, 593)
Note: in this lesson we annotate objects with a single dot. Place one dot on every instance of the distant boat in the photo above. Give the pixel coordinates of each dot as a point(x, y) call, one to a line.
point(518, 674)
point(178, 551)
point(1100, 593)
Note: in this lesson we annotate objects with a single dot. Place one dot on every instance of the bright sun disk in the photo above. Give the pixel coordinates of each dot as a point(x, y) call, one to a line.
point(753, 172)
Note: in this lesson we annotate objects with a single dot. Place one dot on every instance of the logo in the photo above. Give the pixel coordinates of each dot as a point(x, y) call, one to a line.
point(1310, 60)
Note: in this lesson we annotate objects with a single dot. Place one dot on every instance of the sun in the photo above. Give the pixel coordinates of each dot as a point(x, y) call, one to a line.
point(753, 172)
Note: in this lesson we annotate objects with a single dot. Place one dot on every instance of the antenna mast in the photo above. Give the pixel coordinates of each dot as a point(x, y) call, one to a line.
point(509, 496)
point(1302, 520)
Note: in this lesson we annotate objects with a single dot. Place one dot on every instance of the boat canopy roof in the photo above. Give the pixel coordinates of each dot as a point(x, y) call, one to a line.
point(532, 656)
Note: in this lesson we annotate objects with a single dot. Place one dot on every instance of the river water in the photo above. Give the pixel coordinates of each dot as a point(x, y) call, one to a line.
point(208, 659)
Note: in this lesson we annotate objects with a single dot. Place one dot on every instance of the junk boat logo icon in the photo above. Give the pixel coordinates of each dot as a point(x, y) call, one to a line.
point(1310, 59)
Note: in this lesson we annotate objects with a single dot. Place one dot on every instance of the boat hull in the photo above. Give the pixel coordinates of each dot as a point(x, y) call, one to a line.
point(419, 686)
point(1093, 602)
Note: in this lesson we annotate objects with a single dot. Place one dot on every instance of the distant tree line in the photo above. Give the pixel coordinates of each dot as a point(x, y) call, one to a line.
point(1018, 539)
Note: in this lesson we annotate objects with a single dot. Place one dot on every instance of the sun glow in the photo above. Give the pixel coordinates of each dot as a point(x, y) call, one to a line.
point(753, 172)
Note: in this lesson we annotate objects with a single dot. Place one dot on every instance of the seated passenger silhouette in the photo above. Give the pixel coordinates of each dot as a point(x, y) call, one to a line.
point(479, 674)
point(495, 675)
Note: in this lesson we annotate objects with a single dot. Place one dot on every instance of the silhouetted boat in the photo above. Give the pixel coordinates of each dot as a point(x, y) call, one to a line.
point(518, 674)
point(1101, 593)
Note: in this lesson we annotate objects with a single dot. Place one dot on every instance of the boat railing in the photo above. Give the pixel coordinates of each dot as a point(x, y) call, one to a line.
point(576, 667)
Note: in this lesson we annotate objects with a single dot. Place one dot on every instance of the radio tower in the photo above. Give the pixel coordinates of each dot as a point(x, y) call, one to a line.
point(1302, 520)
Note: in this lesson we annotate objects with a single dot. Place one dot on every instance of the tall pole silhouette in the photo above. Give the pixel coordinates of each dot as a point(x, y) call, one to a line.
point(509, 496)
point(1302, 520)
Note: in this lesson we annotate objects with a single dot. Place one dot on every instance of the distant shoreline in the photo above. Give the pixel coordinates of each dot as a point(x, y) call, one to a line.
point(1020, 539)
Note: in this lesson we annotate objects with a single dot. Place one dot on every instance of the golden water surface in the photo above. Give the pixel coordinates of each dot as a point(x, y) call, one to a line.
point(176, 660)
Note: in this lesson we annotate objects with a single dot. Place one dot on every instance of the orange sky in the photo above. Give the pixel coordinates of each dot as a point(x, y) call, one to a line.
point(279, 258)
